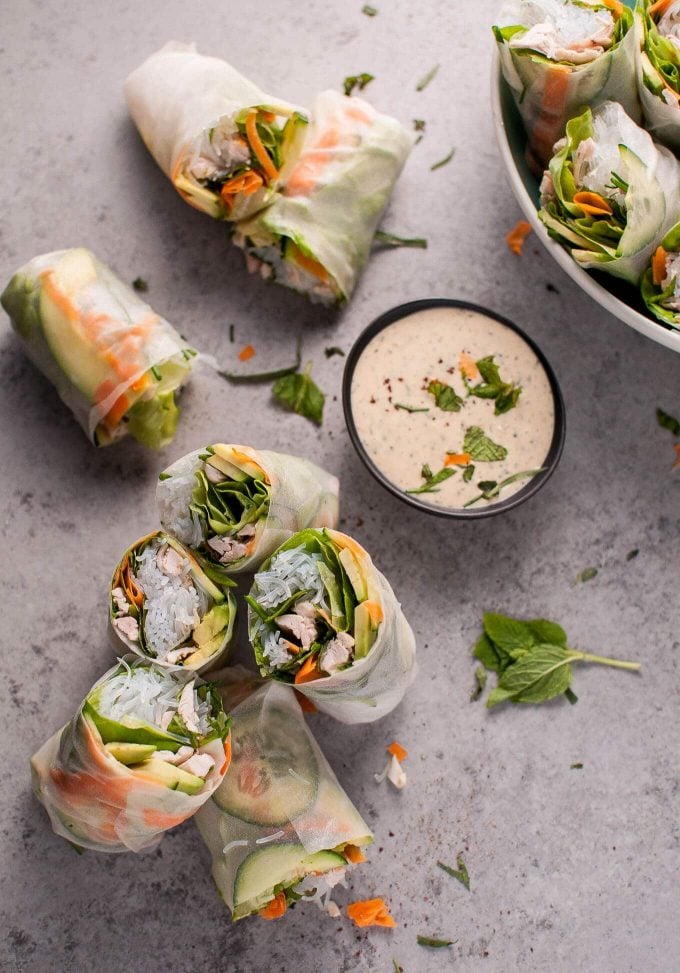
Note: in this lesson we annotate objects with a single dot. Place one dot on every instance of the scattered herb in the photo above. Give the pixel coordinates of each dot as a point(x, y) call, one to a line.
point(299, 393)
point(155, 372)
point(443, 162)
point(140, 284)
point(587, 574)
point(445, 397)
point(356, 81)
point(491, 489)
point(410, 408)
point(618, 183)
point(492, 386)
point(329, 352)
point(419, 124)
point(578, 766)
point(667, 421)
point(632, 554)
point(231, 333)
point(571, 696)
point(461, 873)
point(435, 943)
point(469, 472)
point(369, 11)
point(431, 74)
point(431, 479)
point(532, 659)
point(383, 240)
point(480, 683)
point(481, 448)
point(247, 377)
point(396, 967)
point(165, 476)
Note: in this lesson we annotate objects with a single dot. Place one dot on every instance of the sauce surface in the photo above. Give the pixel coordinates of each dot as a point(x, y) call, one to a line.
point(395, 369)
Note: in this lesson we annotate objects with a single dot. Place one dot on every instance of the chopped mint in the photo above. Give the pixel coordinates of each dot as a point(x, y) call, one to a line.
point(431, 479)
point(667, 421)
point(445, 397)
point(389, 240)
point(435, 943)
point(329, 352)
point(356, 81)
point(461, 873)
point(140, 285)
point(423, 83)
point(410, 408)
point(369, 11)
point(483, 449)
point(443, 162)
point(300, 393)
point(587, 574)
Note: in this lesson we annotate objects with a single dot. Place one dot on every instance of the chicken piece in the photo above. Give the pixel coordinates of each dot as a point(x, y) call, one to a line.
point(174, 758)
point(176, 655)
point(120, 601)
point(298, 627)
point(186, 708)
point(127, 626)
point(306, 609)
point(228, 549)
point(199, 764)
point(169, 561)
point(213, 475)
point(246, 532)
point(337, 652)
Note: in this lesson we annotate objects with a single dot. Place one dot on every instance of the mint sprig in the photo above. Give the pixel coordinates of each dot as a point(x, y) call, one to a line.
point(445, 397)
point(492, 386)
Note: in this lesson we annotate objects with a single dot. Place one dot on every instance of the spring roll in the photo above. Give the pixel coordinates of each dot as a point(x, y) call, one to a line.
point(114, 362)
point(224, 144)
point(316, 236)
point(147, 747)
point(659, 69)
point(234, 505)
point(610, 193)
point(169, 605)
point(280, 828)
point(660, 286)
point(561, 56)
point(323, 618)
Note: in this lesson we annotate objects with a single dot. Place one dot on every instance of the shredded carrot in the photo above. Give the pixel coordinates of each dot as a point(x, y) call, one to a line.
point(659, 266)
point(615, 6)
point(354, 854)
point(247, 183)
point(227, 756)
point(245, 354)
point(457, 459)
point(309, 670)
point(549, 123)
point(276, 908)
point(306, 705)
point(370, 912)
point(396, 749)
point(269, 116)
point(593, 204)
point(676, 465)
point(308, 263)
point(517, 235)
point(261, 154)
point(468, 366)
point(660, 7)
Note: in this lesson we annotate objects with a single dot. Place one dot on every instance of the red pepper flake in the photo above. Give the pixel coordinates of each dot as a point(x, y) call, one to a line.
point(245, 354)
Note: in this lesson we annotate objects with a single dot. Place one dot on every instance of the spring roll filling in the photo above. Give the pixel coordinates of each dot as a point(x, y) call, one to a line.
point(279, 259)
point(576, 31)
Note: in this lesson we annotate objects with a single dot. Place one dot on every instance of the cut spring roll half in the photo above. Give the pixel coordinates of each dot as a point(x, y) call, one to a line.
point(114, 362)
point(235, 505)
point(225, 145)
point(316, 236)
point(659, 69)
point(147, 747)
point(610, 193)
point(560, 56)
point(169, 605)
point(660, 285)
point(324, 619)
point(283, 830)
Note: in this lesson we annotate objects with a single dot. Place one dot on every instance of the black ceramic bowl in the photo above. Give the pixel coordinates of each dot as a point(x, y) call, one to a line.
point(454, 513)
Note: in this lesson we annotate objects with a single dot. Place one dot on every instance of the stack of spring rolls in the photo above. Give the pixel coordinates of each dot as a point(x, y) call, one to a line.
point(153, 743)
point(597, 85)
point(303, 192)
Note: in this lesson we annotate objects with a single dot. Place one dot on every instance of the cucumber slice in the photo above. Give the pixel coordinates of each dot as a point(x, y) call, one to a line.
point(278, 865)
point(260, 787)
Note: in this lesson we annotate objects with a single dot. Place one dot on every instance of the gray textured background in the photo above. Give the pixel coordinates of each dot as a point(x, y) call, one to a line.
point(571, 870)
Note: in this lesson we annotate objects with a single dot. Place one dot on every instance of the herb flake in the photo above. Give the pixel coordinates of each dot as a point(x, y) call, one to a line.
point(491, 489)
point(481, 448)
point(410, 408)
point(431, 74)
point(445, 397)
point(388, 241)
point(576, 766)
point(369, 10)
point(587, 574)
point(480, 683)
point(460, 873)
point(140, 285)
point(359, 81)
point(246, 378)
point(632, 554)
point(334, 350)
point(300, 393)
point(435, 943)
point(443, 162)
point(431, 479)
point(667, 421)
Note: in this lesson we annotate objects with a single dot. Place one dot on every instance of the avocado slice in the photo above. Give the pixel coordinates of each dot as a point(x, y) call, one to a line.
point(213, 624)
point(241, 471)
point(173, 777)
point(367, 618)
point(130, 753)
point(204, 653)
point(354, 573)
point(200, 576)
point(130, 730)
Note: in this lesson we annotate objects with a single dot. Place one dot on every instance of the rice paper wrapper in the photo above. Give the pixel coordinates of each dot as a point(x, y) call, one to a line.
point(664, 302)
point(301, 495)
point(549, 93)
point(96, 341)
point(98, 803)
point(660, 107)
point(283, 792)
point(336, 194)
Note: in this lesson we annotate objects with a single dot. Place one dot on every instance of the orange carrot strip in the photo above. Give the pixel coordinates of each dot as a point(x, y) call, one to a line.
point(247, 183)
point(227, 756)
point(517, 235)
point(308, 263)
point(261, 154)
point(276, 908)
point(660, 7)
point(468, 366)
point(676, 465)
point(354, 854)
point(550, 122)
point(269, 116)
point(659, 266)
point(309, 670)
point(615, 6)
point(593, 204)
point(396, 749)
point(246, 353)
point(306, 705)
point(370, 912)
point(457, 459)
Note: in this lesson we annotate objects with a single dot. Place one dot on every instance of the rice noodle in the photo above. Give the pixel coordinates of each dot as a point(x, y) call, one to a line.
point(148, 694)
point(173, 604)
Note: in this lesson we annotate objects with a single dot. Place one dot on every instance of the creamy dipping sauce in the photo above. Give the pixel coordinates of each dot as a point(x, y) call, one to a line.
point(439, 344)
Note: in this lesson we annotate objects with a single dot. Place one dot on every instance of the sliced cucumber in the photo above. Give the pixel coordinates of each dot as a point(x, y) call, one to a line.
point(274, 773)
point(277, 865)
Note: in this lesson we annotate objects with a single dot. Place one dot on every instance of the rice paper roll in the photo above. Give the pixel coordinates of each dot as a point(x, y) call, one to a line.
point(170, 605)
point(234, 505)
point(660, 286)
point(147, 747)
point(610, 192)
point(659, 69)
point(323, 618)
point(224, 144)
point(282, 830)
point(115, 363)
point(316, 236)
point(561, 56)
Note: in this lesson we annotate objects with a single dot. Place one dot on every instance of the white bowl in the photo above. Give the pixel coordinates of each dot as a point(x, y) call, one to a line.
point(614, 295)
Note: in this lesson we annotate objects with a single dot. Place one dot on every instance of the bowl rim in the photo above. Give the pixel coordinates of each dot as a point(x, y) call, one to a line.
point(614, 305)
point(553, 455)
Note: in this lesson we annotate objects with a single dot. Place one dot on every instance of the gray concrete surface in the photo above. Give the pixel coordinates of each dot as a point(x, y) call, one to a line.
point(571, 870)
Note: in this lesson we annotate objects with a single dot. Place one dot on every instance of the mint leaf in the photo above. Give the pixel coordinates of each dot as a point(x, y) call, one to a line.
point(431, 479)
point(445, 397)
point(508, 634)
point(538, 676)
point(481, 448)
point(356, 81)
point(489, 370)
point(667, 421)
point(549, 633)
point(435, 943)
point(469, 472)
point(461, 873)
point(480, 683)
point(489, 655)
point(300, 394)
point(506, 394)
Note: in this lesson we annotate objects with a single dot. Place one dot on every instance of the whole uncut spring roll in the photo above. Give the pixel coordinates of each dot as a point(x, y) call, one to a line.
point(280, 828)
point(561, 56)
point(147, 747)
point(659, 69)
point(660, 286)
point(235, 504)
point(610, 192)
point(170, 605)
point(316, 236)
point(114, 361)
point(323, 618)
point(224, 144)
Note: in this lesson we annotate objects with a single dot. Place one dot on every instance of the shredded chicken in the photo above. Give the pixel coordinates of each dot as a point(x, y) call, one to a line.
point(176, 655)
point(228, 549)
point(169, 561)
point(337, 652)
point(199, 764)
point(304, 630)
point(128, 626)
point(672, 273)
point(175, 758)
point(121, 602)
point(186, 708)
point(213, 475)
point(564, 31)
